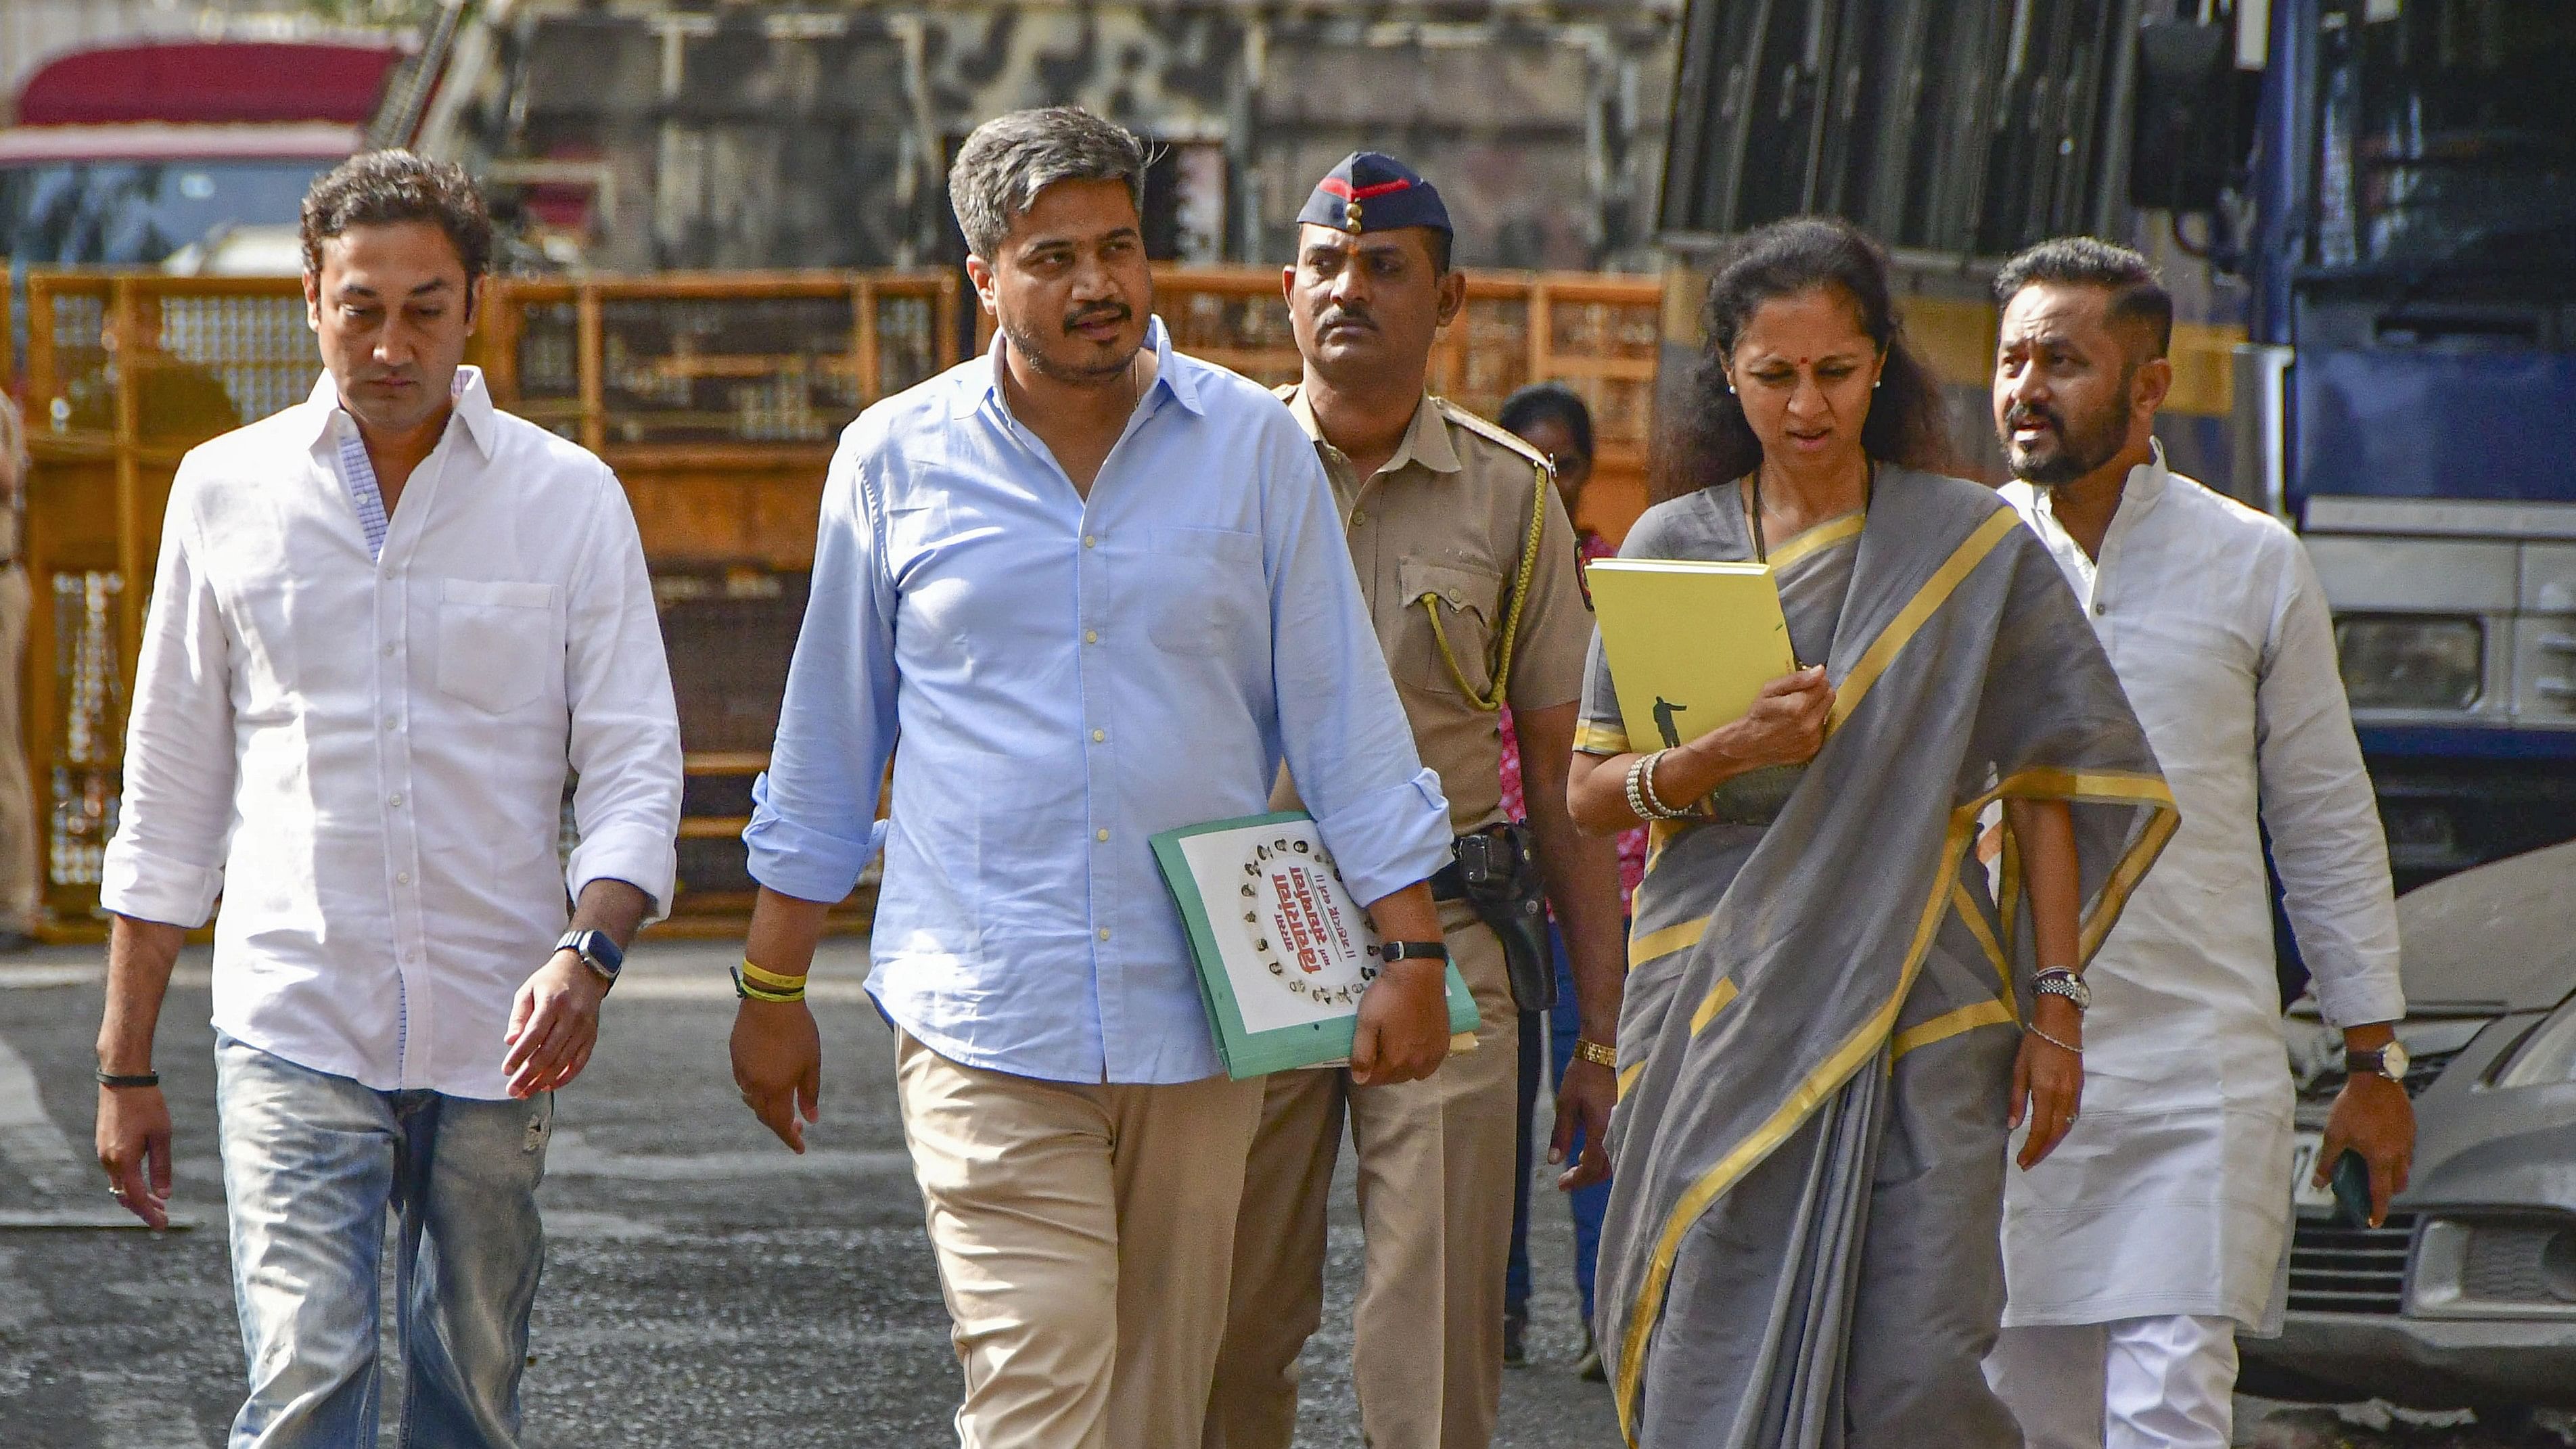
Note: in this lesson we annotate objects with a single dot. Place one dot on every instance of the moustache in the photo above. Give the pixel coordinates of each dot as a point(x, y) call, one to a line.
point(1108, 312)
point(2017, 415)
point(1344, 317)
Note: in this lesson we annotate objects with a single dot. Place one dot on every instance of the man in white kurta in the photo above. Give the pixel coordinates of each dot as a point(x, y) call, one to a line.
point(2158, 1229)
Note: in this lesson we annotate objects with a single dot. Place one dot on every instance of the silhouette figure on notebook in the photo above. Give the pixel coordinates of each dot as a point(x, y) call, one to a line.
point(1665, 709)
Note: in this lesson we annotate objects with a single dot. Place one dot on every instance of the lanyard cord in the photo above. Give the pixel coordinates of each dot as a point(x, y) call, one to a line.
point(1492, 701)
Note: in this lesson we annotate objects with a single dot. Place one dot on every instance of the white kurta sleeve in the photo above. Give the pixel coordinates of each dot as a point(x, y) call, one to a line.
point(2317, 804)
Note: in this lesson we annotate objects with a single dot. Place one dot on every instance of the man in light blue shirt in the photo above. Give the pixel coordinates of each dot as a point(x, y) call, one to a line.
point(1100, 590)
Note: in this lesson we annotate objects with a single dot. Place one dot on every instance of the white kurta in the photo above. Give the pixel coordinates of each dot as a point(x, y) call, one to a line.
point(2172, 1193)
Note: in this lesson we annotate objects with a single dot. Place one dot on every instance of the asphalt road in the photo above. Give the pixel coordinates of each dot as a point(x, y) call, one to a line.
point(703, 1285)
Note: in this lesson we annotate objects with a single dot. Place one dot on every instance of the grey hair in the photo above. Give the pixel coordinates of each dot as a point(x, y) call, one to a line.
point(1011, 158)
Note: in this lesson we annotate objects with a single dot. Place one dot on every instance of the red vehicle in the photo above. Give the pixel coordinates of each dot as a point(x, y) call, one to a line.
point(127, 155)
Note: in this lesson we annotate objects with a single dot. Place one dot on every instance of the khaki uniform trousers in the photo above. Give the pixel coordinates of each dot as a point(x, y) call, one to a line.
point(1435, 1197)
point(19, 867)
point(1084, 1234)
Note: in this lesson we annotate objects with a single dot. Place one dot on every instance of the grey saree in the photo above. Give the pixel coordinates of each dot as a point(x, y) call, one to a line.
point(1816, 1045)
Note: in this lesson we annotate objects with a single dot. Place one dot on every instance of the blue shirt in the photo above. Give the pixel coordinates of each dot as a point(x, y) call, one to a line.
point(1069, 677)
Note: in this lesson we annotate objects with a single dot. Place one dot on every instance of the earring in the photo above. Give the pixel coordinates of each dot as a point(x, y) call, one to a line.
point(1730, 389)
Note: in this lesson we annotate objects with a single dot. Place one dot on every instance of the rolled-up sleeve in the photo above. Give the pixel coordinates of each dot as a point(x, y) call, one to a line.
point(625, 746)
point(166, 862)
point(813, 825)
point(2317, 804)
point(1341, 727)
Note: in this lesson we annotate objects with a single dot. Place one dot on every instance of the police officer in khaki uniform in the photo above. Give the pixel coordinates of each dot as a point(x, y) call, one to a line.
point(1468, 565)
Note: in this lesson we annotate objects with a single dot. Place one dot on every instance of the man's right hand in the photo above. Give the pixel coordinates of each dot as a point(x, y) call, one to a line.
point(1784, 726)
point(778, 1064)
point(134, 1147)
point(1403, 1029)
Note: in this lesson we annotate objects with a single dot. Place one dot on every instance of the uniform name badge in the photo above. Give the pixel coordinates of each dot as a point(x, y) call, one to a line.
point(1284, 953)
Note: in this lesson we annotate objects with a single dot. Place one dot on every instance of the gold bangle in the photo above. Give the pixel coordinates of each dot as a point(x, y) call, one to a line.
point(775, 981)
point(1597, 1054)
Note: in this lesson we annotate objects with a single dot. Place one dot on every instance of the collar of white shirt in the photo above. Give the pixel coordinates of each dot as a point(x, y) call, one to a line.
point(468, 394)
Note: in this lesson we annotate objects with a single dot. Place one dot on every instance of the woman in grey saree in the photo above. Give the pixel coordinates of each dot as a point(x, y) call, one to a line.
point(1822, 1036)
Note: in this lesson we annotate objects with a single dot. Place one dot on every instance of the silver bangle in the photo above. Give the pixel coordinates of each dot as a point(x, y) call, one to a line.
point(2033, 1029)
point(1641, 791)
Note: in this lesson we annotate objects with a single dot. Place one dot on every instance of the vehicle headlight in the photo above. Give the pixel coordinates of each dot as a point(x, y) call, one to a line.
point(2411, 661)
point(2547, 1055)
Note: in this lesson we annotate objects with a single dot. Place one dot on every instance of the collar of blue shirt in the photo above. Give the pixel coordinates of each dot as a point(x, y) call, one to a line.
point(1181, 383)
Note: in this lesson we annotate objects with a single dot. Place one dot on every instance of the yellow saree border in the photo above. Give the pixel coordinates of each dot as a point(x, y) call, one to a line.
point(1975, 920)
point(1599, 739)
point(1815, 540)
point(1874, 1032)
point(1949, 1024)
point(1918, 611)
point(1664, 942)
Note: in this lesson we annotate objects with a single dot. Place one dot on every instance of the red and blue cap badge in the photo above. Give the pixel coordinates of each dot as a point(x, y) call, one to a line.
point(1374, 192)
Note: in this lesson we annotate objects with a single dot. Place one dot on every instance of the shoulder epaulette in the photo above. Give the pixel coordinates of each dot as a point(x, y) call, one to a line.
point(1493, 433)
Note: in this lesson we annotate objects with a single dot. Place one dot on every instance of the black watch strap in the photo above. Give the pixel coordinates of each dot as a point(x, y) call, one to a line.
point(1413, 951)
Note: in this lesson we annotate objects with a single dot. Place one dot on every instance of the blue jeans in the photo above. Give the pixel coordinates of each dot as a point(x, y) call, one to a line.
point(1564, 1024)
point(312, 1163)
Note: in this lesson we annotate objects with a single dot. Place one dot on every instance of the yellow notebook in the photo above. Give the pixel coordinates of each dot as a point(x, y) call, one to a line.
point(1690, 643)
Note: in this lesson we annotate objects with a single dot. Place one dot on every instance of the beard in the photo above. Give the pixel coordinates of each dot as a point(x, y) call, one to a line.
point(1078, 370)
point(2071, 448)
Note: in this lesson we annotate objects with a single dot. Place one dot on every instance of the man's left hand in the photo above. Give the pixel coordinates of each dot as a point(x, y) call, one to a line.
point(554, 1023)
point(1584, 1097)
point(2374, 1117)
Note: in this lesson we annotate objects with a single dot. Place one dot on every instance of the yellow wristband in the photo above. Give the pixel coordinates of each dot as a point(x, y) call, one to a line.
point(774, 981)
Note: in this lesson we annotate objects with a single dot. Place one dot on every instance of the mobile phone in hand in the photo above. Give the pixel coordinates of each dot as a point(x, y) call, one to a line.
point(2351, 1183)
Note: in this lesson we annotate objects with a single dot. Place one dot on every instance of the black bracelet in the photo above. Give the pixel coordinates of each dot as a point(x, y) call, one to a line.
point(107, 1078)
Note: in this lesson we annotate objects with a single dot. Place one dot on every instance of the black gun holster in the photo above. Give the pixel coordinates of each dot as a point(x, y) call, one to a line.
point(1496, 873)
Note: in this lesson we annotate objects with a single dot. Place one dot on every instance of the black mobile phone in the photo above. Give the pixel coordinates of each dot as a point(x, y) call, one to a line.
point(2351, 1183)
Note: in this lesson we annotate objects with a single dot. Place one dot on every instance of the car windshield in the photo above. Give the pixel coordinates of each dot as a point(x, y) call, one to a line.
point(136, 213)
point(2448, 132)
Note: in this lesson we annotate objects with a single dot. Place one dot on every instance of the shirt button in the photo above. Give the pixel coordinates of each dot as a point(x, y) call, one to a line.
point(389, 651)
point(1098, 736)
point(1358, 517)
point(1104, 933)
point(2100, 608)
point(395, 800)
point(1100, 835)
point(402, 878)
point(1089, 541)
point(1090, 636)
point(392, 723)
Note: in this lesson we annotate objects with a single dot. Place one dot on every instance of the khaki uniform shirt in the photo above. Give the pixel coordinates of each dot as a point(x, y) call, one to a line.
point(1446, 518)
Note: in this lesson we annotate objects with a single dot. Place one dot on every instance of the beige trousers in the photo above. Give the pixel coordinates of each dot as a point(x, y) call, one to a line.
point(19, 848)
point(1084, 1234)
point(1435, 1198)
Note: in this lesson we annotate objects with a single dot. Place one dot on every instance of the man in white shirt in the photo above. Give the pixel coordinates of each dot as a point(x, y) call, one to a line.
point(2136, 1252)
point(386, 623)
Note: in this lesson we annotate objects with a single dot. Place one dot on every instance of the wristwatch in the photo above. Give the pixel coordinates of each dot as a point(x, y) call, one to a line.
point(596, 951)
point(1413, 951)
point(2060, 981)
point(2389, 1061)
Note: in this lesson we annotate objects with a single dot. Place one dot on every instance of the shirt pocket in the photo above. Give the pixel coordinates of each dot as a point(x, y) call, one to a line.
point(1206, 588)
point(1466, 602)
point(498, 642)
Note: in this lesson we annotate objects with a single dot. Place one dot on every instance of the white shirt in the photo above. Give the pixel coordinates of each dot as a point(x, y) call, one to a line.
point(366, 758)
point(2172, 1193)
